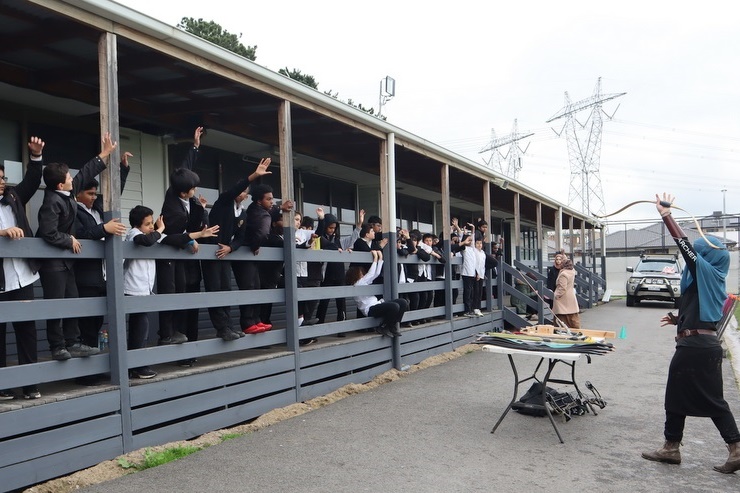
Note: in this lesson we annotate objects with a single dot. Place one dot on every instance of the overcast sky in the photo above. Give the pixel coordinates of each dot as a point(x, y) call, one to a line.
point(463, 69)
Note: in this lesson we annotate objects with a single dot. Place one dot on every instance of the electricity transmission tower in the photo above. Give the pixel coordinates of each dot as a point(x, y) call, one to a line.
point(513, 155)
point(584, 149)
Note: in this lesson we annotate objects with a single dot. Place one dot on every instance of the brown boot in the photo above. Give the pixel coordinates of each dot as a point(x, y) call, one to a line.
point(733, 461)
point(668, 453)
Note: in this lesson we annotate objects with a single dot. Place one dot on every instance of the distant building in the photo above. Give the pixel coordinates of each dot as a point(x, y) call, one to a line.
point(655, 239)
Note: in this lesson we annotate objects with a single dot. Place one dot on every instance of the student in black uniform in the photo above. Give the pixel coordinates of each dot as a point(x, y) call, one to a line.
point(16, 274)
point(271, 272)
point(89, 273)
point(229, 214)
point(182, 213)
point(246, 272)
point(57, 217)
point(328, 232)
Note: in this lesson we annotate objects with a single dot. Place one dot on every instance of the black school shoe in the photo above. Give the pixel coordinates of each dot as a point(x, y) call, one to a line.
point(227, 335)
point(79, 350)
point(176, 338)
point(31, 392)
point(384, 329)
point(144, 372)
point(60, 354)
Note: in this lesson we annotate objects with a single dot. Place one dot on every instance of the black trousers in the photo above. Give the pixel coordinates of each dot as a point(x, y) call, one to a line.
point(468, 293)
point(324, 303)
point(25, 331)
point(390, 311)
point(90, 326)
point(725, 423)
point(217, 277)
point(138, 330)
point(246, 274)
point(59, 285)
point(170, 279)
point(425, 297)
point(306, 308)
point(413, 300)
point(270, 273)
point(178, 276)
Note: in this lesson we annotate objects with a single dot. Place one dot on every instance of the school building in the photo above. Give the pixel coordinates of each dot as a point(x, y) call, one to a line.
point(71, 70)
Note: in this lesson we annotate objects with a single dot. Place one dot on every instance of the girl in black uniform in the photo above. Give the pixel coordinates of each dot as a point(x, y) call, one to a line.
point(694, 385)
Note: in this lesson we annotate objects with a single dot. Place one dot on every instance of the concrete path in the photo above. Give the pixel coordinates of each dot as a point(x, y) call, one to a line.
point(430, 432)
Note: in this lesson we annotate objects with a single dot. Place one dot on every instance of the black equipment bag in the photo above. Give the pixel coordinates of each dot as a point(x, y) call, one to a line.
point(531, 402)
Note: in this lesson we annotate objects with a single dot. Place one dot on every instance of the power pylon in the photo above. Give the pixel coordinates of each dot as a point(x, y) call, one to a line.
point(513, 155)
point(584, 149)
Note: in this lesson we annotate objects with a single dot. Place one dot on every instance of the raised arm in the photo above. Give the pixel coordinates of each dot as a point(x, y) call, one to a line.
point(32, 179)
point(663, 205)
point(192, 156)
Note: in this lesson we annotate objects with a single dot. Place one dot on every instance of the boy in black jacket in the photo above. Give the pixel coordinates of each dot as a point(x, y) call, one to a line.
point(57, 217)
point(182, 213)
point(16, 274)
point(246, 273)
point(89, 273)
point(228, 213)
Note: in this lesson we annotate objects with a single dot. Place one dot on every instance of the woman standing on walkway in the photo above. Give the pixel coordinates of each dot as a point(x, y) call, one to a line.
point(694, 385)
point(565, 305)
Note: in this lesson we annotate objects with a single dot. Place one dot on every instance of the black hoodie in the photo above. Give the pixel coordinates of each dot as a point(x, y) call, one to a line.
point(334, 270)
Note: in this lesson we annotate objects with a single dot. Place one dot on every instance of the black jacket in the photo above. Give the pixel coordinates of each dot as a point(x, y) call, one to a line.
point(231, 228)
point(17, 197)
point(440, 267)
point(334, 270)
point(412, 270)
point(176, 218)
point(58, 214)
point(89, 272)
point(258, 225)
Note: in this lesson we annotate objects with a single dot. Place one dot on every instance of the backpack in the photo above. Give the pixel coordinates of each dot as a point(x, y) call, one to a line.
point(531, 402)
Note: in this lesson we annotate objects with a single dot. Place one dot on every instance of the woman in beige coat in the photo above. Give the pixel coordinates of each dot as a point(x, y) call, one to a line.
point(565, 305)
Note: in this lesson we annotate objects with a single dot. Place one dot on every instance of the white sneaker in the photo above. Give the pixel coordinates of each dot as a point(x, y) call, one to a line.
point(477, 313)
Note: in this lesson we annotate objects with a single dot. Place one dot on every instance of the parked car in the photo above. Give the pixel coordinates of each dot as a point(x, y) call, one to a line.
point(655, 277)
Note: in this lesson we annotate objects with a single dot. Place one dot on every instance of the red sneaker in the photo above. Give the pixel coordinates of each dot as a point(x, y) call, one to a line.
point(265, 327)
point(253, 329)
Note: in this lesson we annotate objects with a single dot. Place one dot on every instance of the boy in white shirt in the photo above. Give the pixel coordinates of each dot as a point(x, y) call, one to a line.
point(473, 273)
point(139, 274)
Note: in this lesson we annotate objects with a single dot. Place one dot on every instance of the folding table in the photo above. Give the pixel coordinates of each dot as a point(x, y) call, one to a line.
point(567, 358)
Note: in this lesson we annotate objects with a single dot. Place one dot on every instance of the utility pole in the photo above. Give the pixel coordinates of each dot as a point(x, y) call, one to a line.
point(584, 149)
point(387, 91)
point(513, 154)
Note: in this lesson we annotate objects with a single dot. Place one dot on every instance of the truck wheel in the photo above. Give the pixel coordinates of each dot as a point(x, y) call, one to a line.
point(630, 300)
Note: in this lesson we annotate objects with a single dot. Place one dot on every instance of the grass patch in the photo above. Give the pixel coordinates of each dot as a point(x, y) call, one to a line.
point(230, 436)
point(154, 459)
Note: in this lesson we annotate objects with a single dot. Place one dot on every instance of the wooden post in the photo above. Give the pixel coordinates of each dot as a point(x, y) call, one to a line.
point(447, 241)
point(517, 227)
point(487, 243)
point(111, 190)
point(584, 254)
point(541, 242)
point(285, 140)
point(387, 164)
point(570, 236)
